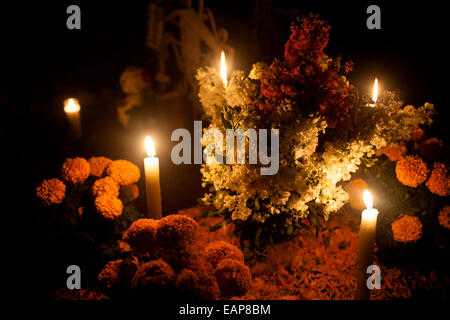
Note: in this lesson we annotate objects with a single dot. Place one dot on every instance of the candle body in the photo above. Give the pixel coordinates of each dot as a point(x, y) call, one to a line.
point(366, 242)
point(153, 188)
point(75, 123)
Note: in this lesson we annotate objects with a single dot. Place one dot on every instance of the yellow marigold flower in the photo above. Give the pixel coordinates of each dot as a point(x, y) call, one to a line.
point(123, 171)
point(411, 171)
point(141, 235)
point(129, 192)
point(439, 183)
point(106, 185)
point(75, 170)
point(407, 229)
point(98, 165)
point(51, 191)
point(108, 206)
point(444, 217)
point(395, 152)
point(355, 191)
point(217, 251)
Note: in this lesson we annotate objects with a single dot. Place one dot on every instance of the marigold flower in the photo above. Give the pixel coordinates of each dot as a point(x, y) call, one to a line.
point(198, 283)
point(51, 191)
point(355, 190)
point(129, 192)
point(118, 273)
point(432, 149)
point(233, 277)
point(123, 171)
point(439, 182)
point(411, 171)
point(395, 152)
point(98, 165)
point(444, 217)
point(153, 276)
point(106, 185)
point(75, 170)
point(141, 235)
point(177, 231)
point(108, 206)
point(407, 229)
point(217, 251)
point(417, 134)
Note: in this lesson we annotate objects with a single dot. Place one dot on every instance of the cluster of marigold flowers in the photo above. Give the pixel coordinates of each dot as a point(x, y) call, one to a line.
point(113, 178)
point(428, 165)
point(165, 260)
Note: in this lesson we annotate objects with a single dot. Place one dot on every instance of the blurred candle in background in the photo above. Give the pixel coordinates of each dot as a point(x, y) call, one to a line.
point(152, 184)
point(223, 69)
point(366, 242)
point(72, 111)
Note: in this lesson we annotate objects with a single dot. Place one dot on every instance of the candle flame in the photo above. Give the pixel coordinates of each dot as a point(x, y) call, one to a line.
point(71, 105)
point(375, 91)
point(223, 68)
point(149, 146)
point(368, 199)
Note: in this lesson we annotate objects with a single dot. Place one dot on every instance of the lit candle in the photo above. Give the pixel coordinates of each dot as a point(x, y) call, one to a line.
point(223, 69)
point(72, 110)
point(152, 185)
point(374, 93)
point(366, 242)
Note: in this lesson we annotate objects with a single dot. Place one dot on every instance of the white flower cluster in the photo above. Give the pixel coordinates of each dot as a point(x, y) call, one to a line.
point(311, 170)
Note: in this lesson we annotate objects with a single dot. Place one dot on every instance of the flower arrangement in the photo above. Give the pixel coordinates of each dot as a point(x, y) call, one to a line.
point(162, 259)
point(91, 204)
point(326, 132)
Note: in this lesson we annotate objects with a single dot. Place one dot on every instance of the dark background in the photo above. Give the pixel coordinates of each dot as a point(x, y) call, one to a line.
point(43, 63)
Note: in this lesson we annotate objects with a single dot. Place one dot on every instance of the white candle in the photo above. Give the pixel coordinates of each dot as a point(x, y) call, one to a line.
point(374, 93)
point(72, 110)
point(152, 184)
point(366, 242)
point(223, 69)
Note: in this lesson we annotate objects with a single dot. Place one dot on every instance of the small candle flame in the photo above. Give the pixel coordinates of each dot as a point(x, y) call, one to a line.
point(71, 105)
point(223, 68)
point(149, 146)
point(375, 92)
point(368, 199)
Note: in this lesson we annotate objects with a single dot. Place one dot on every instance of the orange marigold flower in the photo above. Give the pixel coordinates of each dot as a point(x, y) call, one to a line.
point(411, 171)
point(106, 185)
point(129, 192)
point(217, 251)
point(108, 206)
point(118, 273)
point(153, 276)
point(432, 149)
point(51, 191)
point(355, 190)
point(198, 282)
point(439, 182)
point(395, 152)
point(75, 170)
point(177, 231)
point(444, 217)
point(407, 229)
point(98, 165)
point(233, 277)
point(417, 134)
point(141, 235)
point(123, 171)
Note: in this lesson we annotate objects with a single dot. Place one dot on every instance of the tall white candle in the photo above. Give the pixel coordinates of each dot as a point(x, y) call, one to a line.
point(152, 184)
point(366, 242)
point(72, 111)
